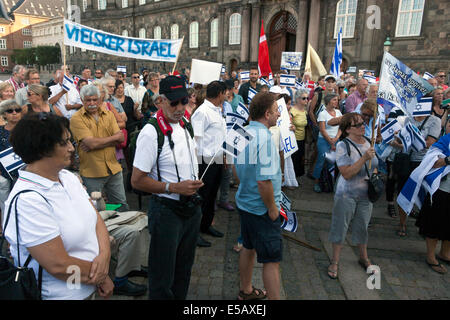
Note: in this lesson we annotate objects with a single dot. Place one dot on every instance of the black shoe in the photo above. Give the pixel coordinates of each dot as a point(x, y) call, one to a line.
point(130, 289)
point(202, 242)
point(139, 273)
point(213, 232)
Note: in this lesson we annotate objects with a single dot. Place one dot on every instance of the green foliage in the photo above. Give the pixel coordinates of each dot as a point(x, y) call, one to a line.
point(42, 55)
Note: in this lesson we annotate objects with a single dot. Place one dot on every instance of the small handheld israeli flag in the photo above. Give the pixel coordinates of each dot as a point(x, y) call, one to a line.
point(298, 84)
point(285, 202)
point(245, 75)
point(291, 223)
point(271, 79)
point(223, 69)
point(9, 160)
point(406, 138)
point(67, 83)
point(236, 140)
point(288, 80)
point(232, 118)
point(427, 76)
point(265, 82)
point(388, 131)
point(251, 93)
point(242, 110)
point(370, 79)
point(423, 107)
point(418, 142)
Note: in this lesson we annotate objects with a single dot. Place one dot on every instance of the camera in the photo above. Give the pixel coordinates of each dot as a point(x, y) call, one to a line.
point(191, 201)
point(445, 104)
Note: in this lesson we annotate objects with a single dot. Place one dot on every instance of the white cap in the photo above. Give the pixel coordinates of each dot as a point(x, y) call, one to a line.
point(275, 89)
point(330, 76)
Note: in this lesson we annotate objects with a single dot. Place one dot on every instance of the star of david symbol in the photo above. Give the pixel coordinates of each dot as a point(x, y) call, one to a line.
point(418, 107)
point(16, 157)
point(407, 138)
point(391, 131)
point(236, 140)
point(233, 119)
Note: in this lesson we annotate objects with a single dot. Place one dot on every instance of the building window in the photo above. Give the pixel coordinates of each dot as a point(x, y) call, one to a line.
point(215, 33)
point(84, 5)
point(345, 18)
point(174, 32)
point(101, 4)
point(2, 43)
point(157, 33)
point(142, 33)
point(27, 44)
point(409, 18)
point(4, 61)
point(193, 35)
point(26, 32)
point(141, 2)
point(2, 29)
point(235, 29)
point(125, 33)
point(124, 3)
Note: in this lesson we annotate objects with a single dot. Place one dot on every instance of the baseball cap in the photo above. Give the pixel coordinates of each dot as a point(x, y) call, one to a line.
point(173, 88)
point(330, 76)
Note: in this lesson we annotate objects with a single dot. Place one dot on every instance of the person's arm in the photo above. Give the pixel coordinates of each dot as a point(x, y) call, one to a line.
point(73, 106)
point(265, 189)
point(57, 111)
point(53, 100)
point(120, 122)
point(350, 171)
point(335, 121)
point(430, 141)
point(439, 163)
point(312, 104)
point(92, 143)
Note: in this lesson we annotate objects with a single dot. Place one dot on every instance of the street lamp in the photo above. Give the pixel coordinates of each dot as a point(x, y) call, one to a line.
point(94, 57)
point(387, 44)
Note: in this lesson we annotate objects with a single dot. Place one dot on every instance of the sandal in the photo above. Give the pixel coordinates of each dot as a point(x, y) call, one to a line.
point(331, 273)
point(365, 263)
point(443, 260)
point(402, 232)
point(439, 268)
point(237, 247)
point(256, 294)
point(391, 211)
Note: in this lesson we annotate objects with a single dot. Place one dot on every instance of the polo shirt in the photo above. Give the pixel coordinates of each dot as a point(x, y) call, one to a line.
point(353, 100)
point(259, 161)
point(101, 162)
point(209, 130)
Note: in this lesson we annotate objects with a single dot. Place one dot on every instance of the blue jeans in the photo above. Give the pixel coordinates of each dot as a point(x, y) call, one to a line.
point(322, 148)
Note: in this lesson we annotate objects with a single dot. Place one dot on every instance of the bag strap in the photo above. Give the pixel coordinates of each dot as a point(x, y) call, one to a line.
point(357, 149)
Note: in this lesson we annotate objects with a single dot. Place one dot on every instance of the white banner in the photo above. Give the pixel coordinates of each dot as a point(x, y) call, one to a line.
point(288, 136)
point(80, 36)
point(291, 60)
point(204, 72)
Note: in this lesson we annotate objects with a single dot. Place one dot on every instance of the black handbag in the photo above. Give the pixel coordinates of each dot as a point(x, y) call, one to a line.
point(375, 182)
point(18, 283)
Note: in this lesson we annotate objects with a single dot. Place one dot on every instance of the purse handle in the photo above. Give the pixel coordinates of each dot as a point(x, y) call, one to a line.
point(357, 149)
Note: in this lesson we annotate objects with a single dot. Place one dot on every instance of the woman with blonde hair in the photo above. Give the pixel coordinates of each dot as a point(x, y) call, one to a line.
point(38, 100)
point(6, 93)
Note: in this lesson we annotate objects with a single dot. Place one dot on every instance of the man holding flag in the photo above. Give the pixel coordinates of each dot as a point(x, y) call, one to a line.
point(64, 95)
point(258, 201)
point(252, 84)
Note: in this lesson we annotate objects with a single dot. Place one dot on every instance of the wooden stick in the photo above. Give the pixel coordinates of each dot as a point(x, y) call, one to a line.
point(178, 54)
point(307, 245)
point(375, 118)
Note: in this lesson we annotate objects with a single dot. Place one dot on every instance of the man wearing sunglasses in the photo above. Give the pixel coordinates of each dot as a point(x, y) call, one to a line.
point(31, 77)
point(135, 91)
point(171, 175)
point(440, 77)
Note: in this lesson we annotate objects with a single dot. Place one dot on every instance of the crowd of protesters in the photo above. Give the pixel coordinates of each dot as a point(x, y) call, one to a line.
point(105, 113)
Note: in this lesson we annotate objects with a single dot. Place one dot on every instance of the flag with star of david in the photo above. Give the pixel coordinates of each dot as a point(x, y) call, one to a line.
point(388, 131)
point(423, 107)
point(291, 223)
point(236, 141)
point(9, 160)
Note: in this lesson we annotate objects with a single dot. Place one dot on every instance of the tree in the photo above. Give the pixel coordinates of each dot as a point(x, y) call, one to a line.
point(25, 56)
point(46, 55)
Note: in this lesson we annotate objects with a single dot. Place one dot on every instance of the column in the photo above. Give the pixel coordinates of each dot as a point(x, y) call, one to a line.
point(221, 38)
point(256, 29)
point(245, 32)
point(314, 24)
point(366, 42)
point(302, 27)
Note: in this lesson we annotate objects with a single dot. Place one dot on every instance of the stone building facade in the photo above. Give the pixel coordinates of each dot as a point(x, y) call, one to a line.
point(415, 31)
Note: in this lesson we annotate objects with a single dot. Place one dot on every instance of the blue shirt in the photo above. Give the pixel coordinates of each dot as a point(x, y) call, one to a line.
point(259, 161)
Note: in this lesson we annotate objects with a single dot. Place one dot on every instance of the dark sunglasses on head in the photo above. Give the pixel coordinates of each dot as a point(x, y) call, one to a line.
point(183, 101)
point(17, 110)
point(357, 125)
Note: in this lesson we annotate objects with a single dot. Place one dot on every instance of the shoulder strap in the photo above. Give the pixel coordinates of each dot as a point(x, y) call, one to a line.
point(160, 134)
point(357, 149)
point(423, 123)
point(188, 126)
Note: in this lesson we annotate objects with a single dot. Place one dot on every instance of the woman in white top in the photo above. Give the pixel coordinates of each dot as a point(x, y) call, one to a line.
point(57, 223)
point(329, 134)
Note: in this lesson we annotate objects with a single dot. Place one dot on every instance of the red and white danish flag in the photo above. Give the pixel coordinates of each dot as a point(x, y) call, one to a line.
point(263, 54)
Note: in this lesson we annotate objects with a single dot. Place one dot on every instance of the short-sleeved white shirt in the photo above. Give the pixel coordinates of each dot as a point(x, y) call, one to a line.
point(74, 98)
point(70, 215)
point(209, 129)
point(147, 151)
point(325, 116)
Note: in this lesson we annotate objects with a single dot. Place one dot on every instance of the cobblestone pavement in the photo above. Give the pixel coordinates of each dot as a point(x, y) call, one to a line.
point(404, 273)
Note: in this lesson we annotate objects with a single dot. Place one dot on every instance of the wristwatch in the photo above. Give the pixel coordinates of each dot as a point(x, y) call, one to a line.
point(167, 188)
point(447, 160)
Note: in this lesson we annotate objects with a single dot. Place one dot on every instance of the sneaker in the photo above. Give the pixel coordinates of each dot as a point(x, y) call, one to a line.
point(317, 188)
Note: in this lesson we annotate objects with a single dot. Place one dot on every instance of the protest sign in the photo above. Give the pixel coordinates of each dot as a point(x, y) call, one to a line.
point(288, 136)
point(291, 60)
point(204, 72)
point(400, 86)
point(122, 69)
point(84, 37)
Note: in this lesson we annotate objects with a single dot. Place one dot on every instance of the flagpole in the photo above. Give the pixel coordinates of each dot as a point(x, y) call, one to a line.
point(375, 118)
point(211, 161)
point(178, 54)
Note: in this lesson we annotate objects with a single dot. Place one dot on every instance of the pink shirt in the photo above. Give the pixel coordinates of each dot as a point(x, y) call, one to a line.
point(353, 100)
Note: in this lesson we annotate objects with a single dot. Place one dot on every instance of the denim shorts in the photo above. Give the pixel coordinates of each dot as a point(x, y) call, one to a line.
point(263, 235)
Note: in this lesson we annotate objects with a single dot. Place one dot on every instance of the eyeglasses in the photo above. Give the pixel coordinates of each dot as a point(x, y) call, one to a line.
point(136, 77)
point(31, 94)
point(304, 98)
point(183, 101)
point(441, 76)
point(357, 125)
point(17, 110)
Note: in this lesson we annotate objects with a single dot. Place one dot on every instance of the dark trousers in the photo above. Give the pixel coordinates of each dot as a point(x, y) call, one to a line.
point(208, 192)
point(172, 249)
point(298, 159)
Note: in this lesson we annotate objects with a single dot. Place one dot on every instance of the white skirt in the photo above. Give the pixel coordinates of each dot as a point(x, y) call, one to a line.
point(289, 173)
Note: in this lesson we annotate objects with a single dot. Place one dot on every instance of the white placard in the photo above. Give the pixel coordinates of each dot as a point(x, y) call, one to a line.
point(291, 60)
point(288, 136)
point(204, 72)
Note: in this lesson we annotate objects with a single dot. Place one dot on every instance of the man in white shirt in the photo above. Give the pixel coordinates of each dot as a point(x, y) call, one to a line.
point(31, 77)
point(171, 175)
point(68, 102)
point(135, 91)
point(210, 132)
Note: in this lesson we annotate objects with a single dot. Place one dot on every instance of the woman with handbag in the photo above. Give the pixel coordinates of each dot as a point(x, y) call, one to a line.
point(351, 199)
point(51, 215)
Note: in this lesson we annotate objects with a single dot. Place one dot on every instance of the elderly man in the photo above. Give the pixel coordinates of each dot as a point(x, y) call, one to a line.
point(358, 96)
point(86, 74)
point(96, 133)
point(18, 77)
point(110, 84)
point(31, 77)
point(68, 102)
point(135, 91)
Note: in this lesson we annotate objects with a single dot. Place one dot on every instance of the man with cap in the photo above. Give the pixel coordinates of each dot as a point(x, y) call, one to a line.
point(170, 174)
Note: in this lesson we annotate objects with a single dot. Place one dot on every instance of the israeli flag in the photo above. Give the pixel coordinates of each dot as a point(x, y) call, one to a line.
point(423, 107)
point(265, 82)
point(223, 69)
point(288, 80)
point(242, 110)
point(67, 83)
point(291, 223)
point(418, 142)
point(9, 160)
point(427, 76)
point(232, 118)
point(370, 79)
point(251, 93)
point(271, 79)
point(236, 140)
point(388, 131)
point(122, 69)
point(406, 138)
point(298, 84)
point(245, 75)
point(285, 202)
point(337, 56)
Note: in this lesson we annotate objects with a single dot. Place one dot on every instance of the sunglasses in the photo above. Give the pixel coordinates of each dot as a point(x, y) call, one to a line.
point(136, 77)
point(304, 98)
point(183, 101)
point(358, 125)
point(441, 76)
point(17, 110)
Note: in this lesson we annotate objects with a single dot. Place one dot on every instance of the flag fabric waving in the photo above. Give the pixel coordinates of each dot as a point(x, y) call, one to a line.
point(236, 140)
point(388, 131)
point(251, 94)
point(10, 161)
point(67, 83)
point(242, 110)
point(313, 64)
point(263, 54)
point(337, 57)
point(423, 107)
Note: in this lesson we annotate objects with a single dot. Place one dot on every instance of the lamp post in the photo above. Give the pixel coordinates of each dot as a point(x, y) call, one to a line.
point(94, 57)
point(387, 44)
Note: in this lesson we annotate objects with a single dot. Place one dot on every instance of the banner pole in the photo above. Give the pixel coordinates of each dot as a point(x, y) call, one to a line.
point(211, 161)
point(375, 118)
point(64, 62)
point(178, 55)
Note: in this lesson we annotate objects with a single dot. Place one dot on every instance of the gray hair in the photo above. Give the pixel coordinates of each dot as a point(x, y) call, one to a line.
point(102, 86)
point(17, 68)
point(370, 86)
point(329, 97)
point(8, 104)
point(108, 73)
point(300, 92)
point(89, 90)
